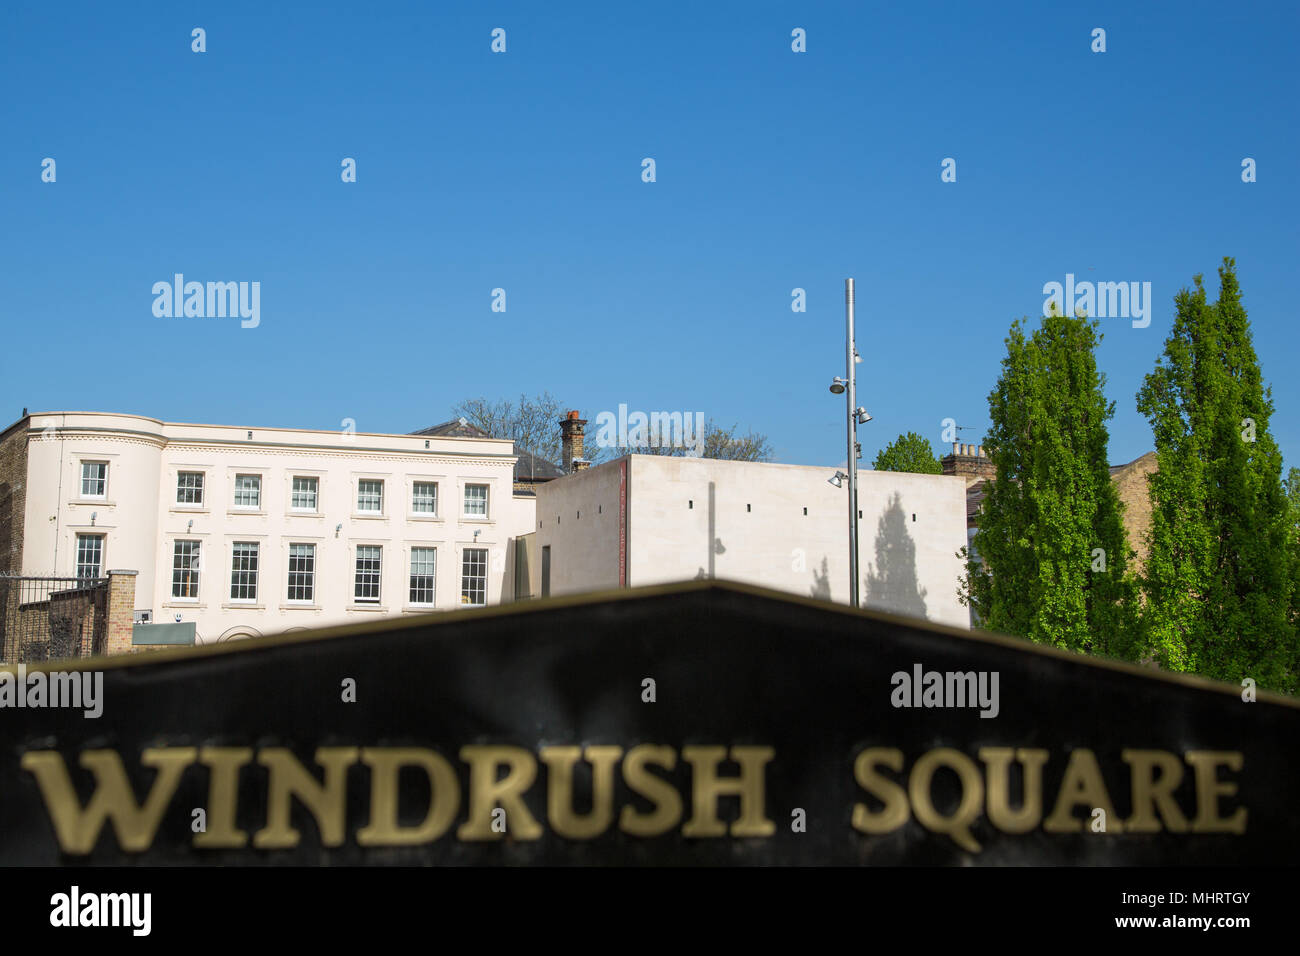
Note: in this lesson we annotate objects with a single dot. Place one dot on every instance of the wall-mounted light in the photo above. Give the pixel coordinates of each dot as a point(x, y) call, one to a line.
point(476, 533)
point(337, 529)
point(189, 526)
point(93, 516)
point(426, 443)
point(250, 436)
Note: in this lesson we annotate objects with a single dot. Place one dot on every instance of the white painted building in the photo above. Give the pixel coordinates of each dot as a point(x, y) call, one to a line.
point(645, 519)
point(246, 532)
point(253, 531)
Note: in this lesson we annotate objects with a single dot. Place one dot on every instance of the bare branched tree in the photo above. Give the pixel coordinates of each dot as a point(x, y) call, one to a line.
point(722, 443)
point(532, 423)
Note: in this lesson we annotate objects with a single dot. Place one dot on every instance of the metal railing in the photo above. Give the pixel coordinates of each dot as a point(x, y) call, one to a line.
point(49, 618)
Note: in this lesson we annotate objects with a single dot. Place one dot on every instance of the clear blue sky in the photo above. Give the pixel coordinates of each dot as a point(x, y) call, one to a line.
point(775, 170)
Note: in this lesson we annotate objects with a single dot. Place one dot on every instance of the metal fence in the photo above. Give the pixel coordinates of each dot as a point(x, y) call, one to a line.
point(46, 619)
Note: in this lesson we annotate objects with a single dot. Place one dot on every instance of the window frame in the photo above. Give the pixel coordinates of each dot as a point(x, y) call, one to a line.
point(431, 575)
point(77, 554)
point(416, 483)
point(235, 503)
point(487, 501)
point(465, 569)
point(367, 512)
point(377, 572)
point(103, 481)
point(315, 508)
point(199, 488)
point(178, 572)
point(310, 573)
point(255, 571)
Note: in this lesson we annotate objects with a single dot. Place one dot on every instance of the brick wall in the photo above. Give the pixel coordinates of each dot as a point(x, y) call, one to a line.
point(13, 495)
point(121, 611)
point(1131, 485)
point(969, 462)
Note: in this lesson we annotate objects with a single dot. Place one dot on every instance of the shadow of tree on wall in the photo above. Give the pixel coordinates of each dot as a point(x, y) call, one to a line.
point(891, 582)
point(821, 588)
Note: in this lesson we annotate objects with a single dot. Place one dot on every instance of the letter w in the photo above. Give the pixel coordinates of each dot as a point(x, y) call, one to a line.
point(77, 828)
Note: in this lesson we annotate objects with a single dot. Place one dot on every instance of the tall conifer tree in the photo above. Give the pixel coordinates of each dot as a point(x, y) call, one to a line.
point(1052, 560)
point(1218, 580)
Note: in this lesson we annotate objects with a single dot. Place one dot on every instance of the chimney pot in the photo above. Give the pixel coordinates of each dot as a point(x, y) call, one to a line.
point(571, 442)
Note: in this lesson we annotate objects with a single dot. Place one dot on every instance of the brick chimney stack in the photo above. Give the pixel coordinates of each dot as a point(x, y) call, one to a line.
point(571, 441)
point(969, 461)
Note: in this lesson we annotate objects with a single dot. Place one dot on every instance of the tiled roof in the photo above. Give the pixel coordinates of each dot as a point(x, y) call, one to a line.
point(531, 468)
point(456, 428)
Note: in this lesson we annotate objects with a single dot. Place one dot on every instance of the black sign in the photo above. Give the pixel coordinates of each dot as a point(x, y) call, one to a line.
point(704, 723)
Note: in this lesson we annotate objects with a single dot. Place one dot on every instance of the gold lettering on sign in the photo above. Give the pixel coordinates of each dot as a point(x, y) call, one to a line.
point(667, 801)
point(486, 792)
point(385, 765)
point(223, 765)
point(77, 829)
point(1082, 786)
point(1155, 776)
point(956, 826)
point(325, 801)
point(560, 762)
point(896, 810)
point(707, 787)
point(1209, 788)
point(998, 788)
point(1005, 786)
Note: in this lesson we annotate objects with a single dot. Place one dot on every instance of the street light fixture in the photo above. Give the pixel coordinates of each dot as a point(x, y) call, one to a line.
point(856, 415)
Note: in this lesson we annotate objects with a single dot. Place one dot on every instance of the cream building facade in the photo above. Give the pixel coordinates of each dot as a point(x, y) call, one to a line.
point(646, 519)
point(252, 531)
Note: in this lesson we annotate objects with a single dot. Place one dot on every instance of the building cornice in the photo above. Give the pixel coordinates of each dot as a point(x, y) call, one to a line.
point(121, 436)
point(262, 428)
point(68, 433)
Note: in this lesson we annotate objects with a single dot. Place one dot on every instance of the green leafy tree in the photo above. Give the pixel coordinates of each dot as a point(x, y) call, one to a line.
point(1050, 560)
point(1292, 489)
point(908, 452)
point(1218, 582)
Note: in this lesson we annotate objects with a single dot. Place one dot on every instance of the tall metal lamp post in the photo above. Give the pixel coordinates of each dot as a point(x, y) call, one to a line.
point(856, 415)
